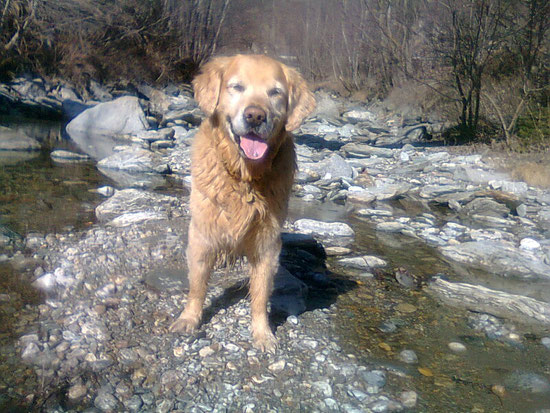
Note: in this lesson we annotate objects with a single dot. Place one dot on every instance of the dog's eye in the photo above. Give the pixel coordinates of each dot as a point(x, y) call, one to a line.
point(275, 92)
point(237, 87)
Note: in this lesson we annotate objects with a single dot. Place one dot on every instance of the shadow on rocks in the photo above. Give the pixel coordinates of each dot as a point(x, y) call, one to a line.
point(305, 258)
point(302, 284)
point(318, 142)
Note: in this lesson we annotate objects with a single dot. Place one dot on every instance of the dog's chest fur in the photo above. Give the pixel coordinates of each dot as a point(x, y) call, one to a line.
point(241, 199)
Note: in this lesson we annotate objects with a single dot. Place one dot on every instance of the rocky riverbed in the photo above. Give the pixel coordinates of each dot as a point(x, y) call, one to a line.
point(97, 339)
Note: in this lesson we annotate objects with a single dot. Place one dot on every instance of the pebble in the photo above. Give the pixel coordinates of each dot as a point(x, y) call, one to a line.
point(277, 366)
point(77, 392)
point(374, 378)
point(323, 387)
point(292, 319)
point(408, 356)
point(206, 351)
point(457, 347)
point(106, 402)
point(409, 399)
point(405, 308)
point(387, 327)
point(529, 244)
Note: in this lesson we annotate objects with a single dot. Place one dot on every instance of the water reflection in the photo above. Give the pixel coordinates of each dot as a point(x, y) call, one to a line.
point(96, 146)
point(38, 195)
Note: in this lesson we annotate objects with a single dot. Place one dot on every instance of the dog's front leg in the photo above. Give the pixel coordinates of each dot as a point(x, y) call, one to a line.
point(200, 260)
point(262, 272)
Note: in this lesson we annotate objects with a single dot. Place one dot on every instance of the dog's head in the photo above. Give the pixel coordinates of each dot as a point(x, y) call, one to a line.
point(254, 97)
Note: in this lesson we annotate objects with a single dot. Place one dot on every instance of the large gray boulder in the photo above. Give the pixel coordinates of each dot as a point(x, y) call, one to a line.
point(120, 116)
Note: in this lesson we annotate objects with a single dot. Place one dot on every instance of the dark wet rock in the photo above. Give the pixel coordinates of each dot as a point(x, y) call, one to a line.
point(120, 116)
point(289, 294)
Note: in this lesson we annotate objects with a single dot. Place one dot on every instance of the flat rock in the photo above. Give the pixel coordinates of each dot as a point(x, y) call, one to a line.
point(359, 115)
point(498, 257)
point(326, 229)
point(481, 299)
point(364, 150)
point(363, 262)
point(133, 201)
point(135, 159)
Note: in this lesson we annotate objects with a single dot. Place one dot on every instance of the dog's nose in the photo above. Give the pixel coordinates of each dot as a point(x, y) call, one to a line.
point(254, 116)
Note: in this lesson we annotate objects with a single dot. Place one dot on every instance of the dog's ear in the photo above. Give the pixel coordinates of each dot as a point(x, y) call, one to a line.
point(208, 82)
point(301, 100)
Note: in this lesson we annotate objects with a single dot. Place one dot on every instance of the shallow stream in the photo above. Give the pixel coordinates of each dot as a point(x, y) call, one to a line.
point(378, 319)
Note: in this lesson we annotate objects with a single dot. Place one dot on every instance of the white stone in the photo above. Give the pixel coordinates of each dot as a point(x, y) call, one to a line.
point(529, 244)
point(46, 282)
point(456, 347)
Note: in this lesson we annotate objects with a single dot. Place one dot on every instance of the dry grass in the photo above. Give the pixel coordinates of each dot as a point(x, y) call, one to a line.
point(533, 173)
point(532, 168)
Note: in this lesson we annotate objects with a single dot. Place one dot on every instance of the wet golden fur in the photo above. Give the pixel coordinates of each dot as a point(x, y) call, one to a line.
point(238, 204)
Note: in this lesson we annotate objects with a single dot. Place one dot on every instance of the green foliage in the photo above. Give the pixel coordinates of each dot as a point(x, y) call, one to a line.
point(533, 128)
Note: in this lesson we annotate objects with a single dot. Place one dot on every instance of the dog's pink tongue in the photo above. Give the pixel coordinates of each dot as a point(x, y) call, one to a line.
point(253, 146)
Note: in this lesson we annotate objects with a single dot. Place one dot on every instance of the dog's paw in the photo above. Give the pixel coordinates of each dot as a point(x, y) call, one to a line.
point(265, 342)
point(185, 324)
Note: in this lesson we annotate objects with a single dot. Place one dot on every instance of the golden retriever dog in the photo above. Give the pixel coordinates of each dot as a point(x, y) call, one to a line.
point(243, 162)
